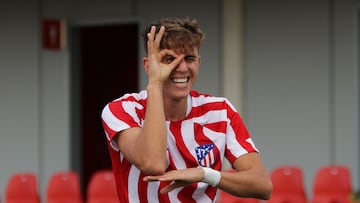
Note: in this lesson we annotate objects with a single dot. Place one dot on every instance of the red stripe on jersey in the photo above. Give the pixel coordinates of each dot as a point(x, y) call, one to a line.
point(120, 113)
point(217, 127)
point(229, 155)
point(142, 189)
point(185, 195)
point(121, 172)
point(237, 123)
point(108, 130)
point(211, 192)
point(175, 128)
point(163, 198)
point(199, 111)
point(242, 133)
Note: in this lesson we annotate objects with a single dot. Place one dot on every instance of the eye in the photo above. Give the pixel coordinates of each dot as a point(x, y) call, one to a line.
point(168, 59)
point(190, 58)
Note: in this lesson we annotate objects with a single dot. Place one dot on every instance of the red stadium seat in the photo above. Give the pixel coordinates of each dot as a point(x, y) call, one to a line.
point(288, 185)
point(332, 184)
point(228, 198)
point(63, 187)
point(22, 188)
point(102, 188)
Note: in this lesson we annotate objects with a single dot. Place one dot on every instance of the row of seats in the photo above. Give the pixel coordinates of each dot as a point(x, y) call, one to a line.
point(63, 186)
point(332, 184)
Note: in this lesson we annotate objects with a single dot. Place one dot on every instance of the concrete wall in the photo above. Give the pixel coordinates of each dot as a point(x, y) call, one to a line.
point(19, 89)
point(302, 83)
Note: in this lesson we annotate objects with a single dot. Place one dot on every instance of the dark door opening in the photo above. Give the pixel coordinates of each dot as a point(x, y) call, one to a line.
point(104, 67)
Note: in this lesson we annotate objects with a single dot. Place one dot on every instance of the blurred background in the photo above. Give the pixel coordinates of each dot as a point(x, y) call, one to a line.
point(290, 67)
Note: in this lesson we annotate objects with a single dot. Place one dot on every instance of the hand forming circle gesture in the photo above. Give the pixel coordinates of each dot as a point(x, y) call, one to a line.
point(160, 63)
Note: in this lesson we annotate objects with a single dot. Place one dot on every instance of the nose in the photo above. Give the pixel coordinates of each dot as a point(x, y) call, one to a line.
point(182, 66)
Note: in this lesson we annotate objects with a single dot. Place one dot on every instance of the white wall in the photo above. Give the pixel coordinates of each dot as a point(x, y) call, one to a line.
point(19, 89)
point(294, 105)
point(301, 101)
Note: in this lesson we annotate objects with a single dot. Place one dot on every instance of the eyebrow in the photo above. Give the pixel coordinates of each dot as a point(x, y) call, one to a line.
point(191, 55)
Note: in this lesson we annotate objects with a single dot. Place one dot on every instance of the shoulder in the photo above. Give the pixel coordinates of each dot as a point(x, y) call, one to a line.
point(127, 102)
point(138, 97)
point(199, 99)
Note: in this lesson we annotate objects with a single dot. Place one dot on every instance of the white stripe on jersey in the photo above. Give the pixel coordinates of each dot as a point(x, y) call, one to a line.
point(173, 195)
point(152, 191)
point(113, 143)
point(198, 195)
point(201, 100)
point(233, 144)
point(130, 108)
point(175, 154)
point(114, 123)
point(138, 96)
point(133, 178)
point(249, 140)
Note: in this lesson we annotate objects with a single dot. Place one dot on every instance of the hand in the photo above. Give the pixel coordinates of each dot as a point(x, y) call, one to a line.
point(160, 63)
point(179, 178)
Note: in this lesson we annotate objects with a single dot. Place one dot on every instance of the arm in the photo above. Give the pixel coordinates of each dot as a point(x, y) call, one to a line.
point(147, 145)
point(249, 180)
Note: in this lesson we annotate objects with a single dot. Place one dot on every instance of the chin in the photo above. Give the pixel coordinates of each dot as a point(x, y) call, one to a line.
point(179, 95)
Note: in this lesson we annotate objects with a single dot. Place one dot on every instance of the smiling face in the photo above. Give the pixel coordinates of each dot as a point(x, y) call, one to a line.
point(183, 77)
point(182, 36)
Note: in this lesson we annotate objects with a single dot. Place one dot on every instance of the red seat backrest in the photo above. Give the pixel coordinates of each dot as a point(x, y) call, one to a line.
point(288, 185)
point(102, 188)
point(64, 186)
point(22, 188)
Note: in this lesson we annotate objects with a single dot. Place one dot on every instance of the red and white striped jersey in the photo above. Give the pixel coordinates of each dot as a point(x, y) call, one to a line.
point(210, 131)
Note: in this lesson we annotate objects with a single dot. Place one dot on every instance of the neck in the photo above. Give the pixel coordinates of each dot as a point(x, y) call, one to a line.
point(175, 110)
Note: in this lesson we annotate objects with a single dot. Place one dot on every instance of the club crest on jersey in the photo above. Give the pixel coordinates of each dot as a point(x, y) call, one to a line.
point(205, 155)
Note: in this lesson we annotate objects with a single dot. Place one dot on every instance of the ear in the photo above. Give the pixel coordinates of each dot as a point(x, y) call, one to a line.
point(145, 62)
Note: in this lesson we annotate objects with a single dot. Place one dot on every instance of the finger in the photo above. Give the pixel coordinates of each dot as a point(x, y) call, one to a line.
point(165, 189)
point(170, 188)
point(151, 37)
point(159, 36)
point(177, 60)
point(150, 178)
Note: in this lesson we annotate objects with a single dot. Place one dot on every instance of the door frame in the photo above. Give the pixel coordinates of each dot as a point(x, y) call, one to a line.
point(75, 92)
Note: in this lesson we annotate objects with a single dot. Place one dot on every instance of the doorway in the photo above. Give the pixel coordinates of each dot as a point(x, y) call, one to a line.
point(104, 61)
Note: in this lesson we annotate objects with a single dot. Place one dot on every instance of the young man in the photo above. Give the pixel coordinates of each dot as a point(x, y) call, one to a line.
point(168, 142)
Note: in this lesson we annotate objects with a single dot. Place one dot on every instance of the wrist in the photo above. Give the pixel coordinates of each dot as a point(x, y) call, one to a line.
point(211, 176)
point(154, 84)
point(154, 87)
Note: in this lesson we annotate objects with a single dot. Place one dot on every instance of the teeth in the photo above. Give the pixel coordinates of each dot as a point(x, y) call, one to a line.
point(179, 80)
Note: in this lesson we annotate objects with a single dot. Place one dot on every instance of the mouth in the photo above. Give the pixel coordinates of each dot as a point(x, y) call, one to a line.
point(180, 80)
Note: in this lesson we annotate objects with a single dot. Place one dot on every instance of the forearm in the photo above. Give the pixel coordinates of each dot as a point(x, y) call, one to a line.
point(242, 184)
point(150, 147)
point(246, 184)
